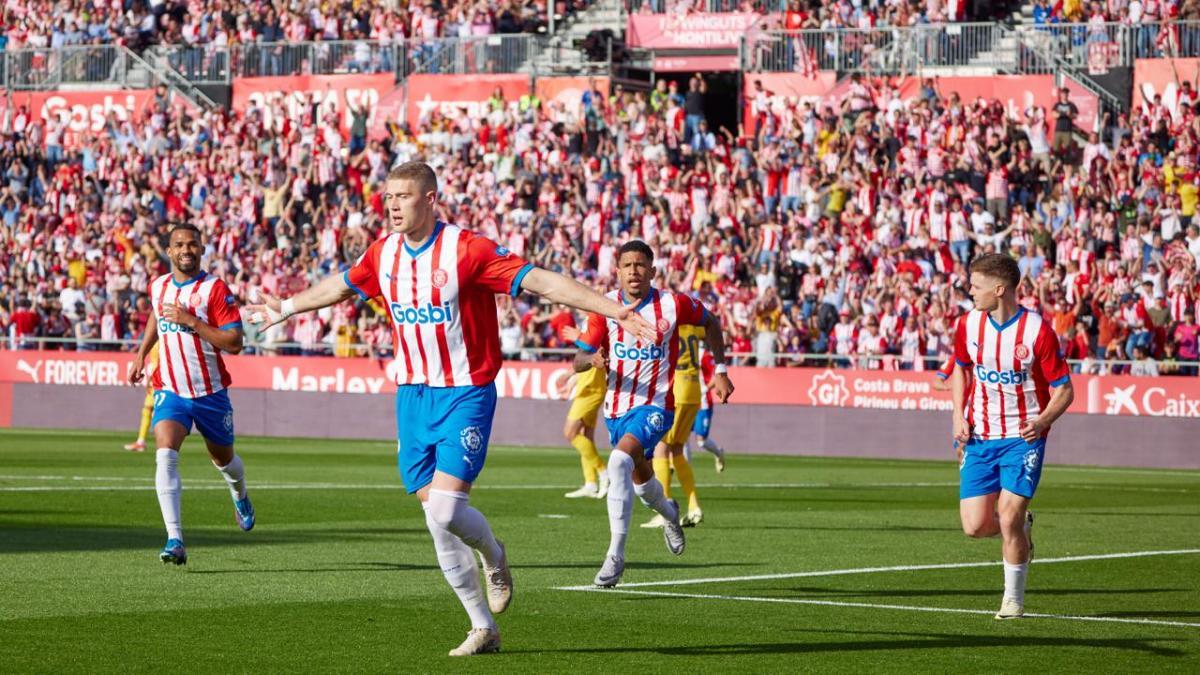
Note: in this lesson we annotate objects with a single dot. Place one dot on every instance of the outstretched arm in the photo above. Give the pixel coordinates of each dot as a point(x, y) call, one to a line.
point(149, 339)
point(329, 291)
point(563, 290)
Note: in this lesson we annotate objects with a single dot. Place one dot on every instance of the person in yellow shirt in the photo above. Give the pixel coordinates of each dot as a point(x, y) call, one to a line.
point(148, 405)
point(580, 429)
point(669, 453)
point(1189, 194)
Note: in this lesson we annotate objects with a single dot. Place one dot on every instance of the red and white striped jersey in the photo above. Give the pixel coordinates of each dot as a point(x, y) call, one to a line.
point(643, 372)
point(187, 365)
point(442, 300)
point(1014, 365)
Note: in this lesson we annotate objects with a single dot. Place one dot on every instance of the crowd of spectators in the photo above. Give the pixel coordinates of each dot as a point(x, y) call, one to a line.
point(138, 23)
point(832, 230)
point(828, 14)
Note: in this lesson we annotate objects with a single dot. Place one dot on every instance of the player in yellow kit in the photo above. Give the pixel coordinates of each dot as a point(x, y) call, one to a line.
point(148, 406)
point(669, 454)
point(580, 429)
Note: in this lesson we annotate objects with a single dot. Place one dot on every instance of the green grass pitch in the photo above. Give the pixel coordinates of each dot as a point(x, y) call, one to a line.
point(340, 575)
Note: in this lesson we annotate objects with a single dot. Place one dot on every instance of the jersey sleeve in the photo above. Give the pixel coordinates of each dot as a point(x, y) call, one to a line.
point(946, 370)
point(962, 356)
point(223, 309)
point(595, 335)
point(492, 266)
point(689, 311)
point(363, 276)
point(1049, 357)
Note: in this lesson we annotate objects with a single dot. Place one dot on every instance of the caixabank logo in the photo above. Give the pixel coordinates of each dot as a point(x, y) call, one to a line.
point(828, 388)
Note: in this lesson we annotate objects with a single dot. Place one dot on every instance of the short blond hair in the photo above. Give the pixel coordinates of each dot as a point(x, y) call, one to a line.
point(420, 172)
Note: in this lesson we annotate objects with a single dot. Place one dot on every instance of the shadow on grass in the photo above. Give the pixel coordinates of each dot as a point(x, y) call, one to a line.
point(824, 528)
point(890, 641)
point(43, 539)
point(334, 567)
point(818, 592)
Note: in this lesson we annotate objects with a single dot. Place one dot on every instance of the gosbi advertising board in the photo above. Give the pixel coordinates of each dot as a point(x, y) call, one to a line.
point(849, 388)
point(84, 113)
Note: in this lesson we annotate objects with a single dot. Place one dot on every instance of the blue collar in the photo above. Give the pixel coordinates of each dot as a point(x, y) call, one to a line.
point(437, 229)
point(1011, 320)
point(646, 300)
point(199, 275)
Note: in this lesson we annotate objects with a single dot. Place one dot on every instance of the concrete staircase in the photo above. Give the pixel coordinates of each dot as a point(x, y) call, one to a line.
point(563, 53)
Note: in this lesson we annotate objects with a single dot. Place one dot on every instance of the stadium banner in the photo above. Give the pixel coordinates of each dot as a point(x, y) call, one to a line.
point(1016, 92)
point(85, 112)
point(809, 387)
point(296, 94)
point(696, 64)
point(568, 91)
point(693, 31)
point(1161, 77)
point(453, 94)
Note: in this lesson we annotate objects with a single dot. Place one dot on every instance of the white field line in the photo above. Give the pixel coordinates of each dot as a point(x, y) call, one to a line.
point(894, 568)
point(866, 605)
point(390, 486)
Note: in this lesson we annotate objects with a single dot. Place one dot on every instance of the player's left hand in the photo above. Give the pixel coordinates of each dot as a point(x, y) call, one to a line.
point(570, 333)
point(178, 314)
point(635, 324)
point(1031, 430)
point(722, 386)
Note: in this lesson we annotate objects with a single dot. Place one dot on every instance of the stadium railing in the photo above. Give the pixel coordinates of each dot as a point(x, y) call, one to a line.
point(489, 54)
point(879, 50)
point(887, 362)
point(37, 69)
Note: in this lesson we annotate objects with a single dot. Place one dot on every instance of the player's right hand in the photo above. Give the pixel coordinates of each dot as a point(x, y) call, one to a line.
point(635, 324)
point(600, 360)
point(135, 374)
point(962, 432)
point(570, 333)
point(267, 313)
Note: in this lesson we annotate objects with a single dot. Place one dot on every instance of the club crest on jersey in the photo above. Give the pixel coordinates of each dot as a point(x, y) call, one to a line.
point(663, 326)
point(440, 278)
point(471, 439)
point(195, 300)
point(1022, 352)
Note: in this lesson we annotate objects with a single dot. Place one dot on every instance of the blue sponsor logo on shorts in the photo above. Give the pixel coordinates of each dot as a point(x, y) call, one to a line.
point(1001, 376)
point(626, 352)
point(428, 314)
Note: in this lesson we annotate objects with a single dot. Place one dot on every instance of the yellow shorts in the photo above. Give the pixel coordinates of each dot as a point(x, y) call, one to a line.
point(685, 416)
point(587, 407)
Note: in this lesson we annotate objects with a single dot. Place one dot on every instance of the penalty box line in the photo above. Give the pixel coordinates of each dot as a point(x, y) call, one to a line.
point(873, 570)
point(868, 605)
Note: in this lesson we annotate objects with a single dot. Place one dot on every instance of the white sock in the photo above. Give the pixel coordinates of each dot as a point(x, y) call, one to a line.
point(461, 571)
point(169, 487)
point(234, 474)
point(711, 446)
point(452, 511)
point(620, 501)
point(687, 449)
point(1014, 581)
point(651, 494)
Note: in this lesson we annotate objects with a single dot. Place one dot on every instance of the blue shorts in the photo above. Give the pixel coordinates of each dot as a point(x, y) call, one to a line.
point(703, 422)
point(444, 429)
point(1008, 463)
point(212, 414)
point(647, 423)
